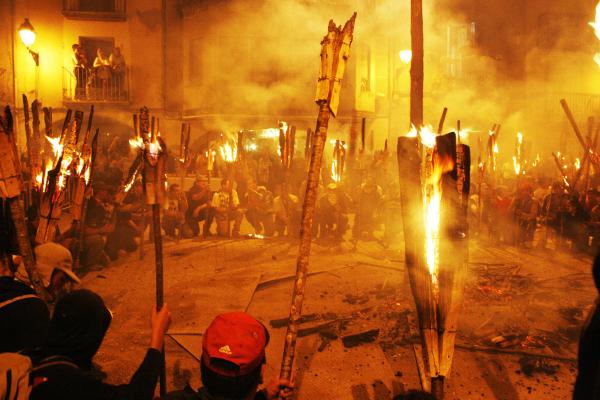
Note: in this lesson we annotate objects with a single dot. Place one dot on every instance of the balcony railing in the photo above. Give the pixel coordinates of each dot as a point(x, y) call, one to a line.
point(107, 10)
point(95, 84)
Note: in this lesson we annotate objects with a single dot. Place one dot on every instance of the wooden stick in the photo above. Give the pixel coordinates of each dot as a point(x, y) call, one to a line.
point(442, 120)
point(11, 187)
point(571, 119)
point(337, 44)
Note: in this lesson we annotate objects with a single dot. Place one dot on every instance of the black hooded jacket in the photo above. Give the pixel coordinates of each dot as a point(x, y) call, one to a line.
point(77, 329)
point(587, 384)
point(24, 317)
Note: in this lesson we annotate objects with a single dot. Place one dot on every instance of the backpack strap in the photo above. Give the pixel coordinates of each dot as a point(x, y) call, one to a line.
point(18, 298)
point(53, 361)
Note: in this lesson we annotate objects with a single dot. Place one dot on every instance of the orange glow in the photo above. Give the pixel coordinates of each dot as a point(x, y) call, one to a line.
point(596, 26)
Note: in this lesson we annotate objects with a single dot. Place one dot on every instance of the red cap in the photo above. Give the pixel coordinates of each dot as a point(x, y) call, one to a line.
point(235, 337)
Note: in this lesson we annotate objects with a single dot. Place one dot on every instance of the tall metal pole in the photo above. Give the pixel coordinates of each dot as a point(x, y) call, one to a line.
point(416, 66)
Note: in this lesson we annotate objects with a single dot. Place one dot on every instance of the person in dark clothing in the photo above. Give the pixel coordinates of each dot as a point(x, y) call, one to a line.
point(24, 317)
point(233, 361)
point(99, 223)
point(587, 384)
point(76, 331)
point(127, 226)
point(368, 198)
point(332, 214)
point(198, 198)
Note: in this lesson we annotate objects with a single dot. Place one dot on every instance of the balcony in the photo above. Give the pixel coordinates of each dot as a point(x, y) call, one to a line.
point(95, 10)
point(93, 85)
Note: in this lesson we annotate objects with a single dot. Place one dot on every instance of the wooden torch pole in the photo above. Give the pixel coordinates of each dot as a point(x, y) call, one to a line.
point(334, 53)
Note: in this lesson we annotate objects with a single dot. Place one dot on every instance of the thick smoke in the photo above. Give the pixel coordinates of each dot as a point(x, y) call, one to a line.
point(515, 67)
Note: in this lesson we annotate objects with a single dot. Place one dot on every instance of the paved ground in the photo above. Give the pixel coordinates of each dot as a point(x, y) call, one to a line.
point(536, 301)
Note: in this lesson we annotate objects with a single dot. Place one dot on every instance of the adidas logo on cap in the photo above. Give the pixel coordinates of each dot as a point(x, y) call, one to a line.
point(225, 350)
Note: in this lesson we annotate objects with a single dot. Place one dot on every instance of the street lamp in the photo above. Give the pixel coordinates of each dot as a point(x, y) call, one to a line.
point(405, 56)
point(27, 34)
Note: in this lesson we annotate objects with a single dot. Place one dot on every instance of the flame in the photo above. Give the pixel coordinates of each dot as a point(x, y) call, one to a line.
point(463, 134)
point(87, 175)
point(577, 164)
point(39, 179)
point(283, 126)
point(516, 165)
point(57, 147)
point(136, 142)
point(432, 199)
point(334, 171)
point(596, 26)
point(412, 132)
point(427, 136)
point(496, 150)
point(519, 137)
point(270, 133)
point(228, 152)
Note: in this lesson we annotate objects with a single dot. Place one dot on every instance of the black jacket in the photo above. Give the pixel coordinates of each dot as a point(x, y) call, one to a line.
point(66, 381)
point(23, 322)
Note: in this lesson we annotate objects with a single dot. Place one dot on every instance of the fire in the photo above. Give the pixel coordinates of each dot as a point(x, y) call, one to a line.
point(136, 142)
point(334, 171)
point(412, 132)
point(596, 26)
point(270, 133)
point(427, 136)
point(433, 168)
point(463, 134)
point(228, 152)
point(516, 165)
point(496, 149)
point(577, 164)
point(57, 147)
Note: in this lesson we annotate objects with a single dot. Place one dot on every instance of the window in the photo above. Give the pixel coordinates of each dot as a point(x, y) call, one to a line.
point(94, 9)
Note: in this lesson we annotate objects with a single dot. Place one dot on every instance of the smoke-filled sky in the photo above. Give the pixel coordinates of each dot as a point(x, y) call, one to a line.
point(525, 56)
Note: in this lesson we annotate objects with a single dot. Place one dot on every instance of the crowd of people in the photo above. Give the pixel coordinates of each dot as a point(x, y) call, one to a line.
point(60, 334)
point(100, 79)
point(540, 213)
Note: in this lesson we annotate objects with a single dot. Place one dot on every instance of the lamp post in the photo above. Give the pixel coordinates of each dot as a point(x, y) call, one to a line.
point(27, 34)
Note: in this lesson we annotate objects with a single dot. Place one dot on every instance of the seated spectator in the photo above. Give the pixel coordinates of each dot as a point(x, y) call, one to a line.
point(77, 329)
point(233, 362)
point(98, 225)
point(259, 208)
point(24, 317)
point(55, 265)
point(198, 198)
point(368, 198)
point(226, 205)
point(332, 214)
point(128, 225)
point(587, 384)
point(286, 208)
point(175, 207)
